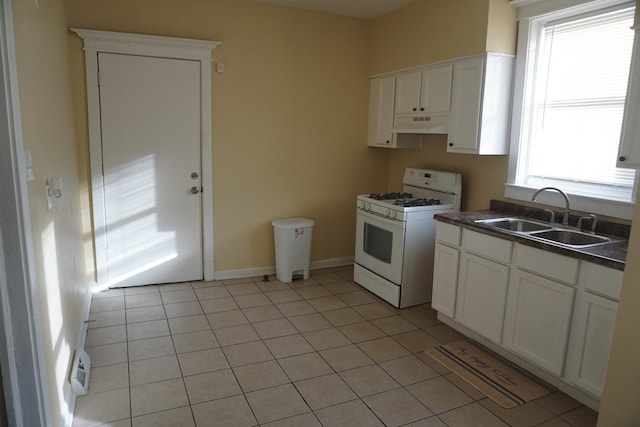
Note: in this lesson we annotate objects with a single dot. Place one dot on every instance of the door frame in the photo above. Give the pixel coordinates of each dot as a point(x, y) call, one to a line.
point(25, 390)
point(96, 42)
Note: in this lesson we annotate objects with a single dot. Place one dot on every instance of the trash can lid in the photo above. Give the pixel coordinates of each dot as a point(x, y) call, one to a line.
point(292, 223)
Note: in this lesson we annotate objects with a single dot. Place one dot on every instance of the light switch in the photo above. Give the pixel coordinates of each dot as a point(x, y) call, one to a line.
point(220, 67)
point(29, 166)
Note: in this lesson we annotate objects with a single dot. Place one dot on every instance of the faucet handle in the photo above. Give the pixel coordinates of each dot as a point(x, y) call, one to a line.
point(594, 222)
point(552, 214)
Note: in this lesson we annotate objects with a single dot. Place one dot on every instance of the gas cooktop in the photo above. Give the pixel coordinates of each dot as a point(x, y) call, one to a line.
point(408, 203)
point(390, 196)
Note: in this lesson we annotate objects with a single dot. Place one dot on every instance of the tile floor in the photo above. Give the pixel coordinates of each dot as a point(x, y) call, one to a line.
point(316, 352)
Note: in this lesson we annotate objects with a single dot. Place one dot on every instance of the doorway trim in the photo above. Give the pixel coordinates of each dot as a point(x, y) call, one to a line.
point(25, 389)
point(157, 46)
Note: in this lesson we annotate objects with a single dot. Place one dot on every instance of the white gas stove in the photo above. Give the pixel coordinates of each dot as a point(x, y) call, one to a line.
point(395, 235)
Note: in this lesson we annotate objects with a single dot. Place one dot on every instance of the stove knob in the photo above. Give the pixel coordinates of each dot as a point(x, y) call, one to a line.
point(361, 205)
point(394, 214)
point(368, 206)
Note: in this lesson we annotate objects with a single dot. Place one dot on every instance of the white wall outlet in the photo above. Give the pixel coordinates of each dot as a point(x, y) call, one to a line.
point(220, 67)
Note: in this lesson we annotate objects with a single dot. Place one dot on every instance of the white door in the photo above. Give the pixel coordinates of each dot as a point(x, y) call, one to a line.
point(150, 118)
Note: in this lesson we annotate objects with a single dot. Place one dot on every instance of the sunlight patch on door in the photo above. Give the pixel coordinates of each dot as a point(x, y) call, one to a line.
point(136, 242)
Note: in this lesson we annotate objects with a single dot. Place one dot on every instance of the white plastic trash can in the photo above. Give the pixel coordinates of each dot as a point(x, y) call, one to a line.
point(293, 248)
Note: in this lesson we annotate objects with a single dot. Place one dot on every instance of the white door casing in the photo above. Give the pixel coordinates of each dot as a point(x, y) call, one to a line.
point(96, 42)
point(150, 117)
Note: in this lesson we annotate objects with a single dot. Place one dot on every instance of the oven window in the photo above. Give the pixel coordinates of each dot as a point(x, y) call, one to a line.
point(378, 242)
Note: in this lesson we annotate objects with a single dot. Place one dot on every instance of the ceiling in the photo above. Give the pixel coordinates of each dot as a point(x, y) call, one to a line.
point(364, 9)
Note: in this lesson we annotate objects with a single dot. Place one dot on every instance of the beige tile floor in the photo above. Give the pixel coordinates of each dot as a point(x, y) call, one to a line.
point(316, 352)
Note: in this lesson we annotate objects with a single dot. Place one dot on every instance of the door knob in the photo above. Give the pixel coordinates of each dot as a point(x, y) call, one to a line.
point(195, 190)
point(194, 175)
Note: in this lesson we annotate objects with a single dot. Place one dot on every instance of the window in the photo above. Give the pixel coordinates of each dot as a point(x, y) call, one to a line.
point(572, 73)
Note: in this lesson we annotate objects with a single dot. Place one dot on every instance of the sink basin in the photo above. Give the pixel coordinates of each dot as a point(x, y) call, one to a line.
point(550, 233)
point(515, 224)
point(572, 238)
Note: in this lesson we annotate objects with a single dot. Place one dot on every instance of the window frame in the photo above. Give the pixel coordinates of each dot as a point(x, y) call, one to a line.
point(532, 15)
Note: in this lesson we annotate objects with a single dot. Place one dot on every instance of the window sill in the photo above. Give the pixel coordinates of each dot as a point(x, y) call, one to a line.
point(611, 208)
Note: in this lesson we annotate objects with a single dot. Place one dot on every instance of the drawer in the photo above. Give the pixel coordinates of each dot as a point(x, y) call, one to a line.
point(447, 233)
point(544, 263)
point(487, 246)
point(601, 280)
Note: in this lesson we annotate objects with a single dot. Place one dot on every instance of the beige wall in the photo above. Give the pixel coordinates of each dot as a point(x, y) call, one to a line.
point(622, 388)
point(428, 31)
point(289, 115)
point(619, 406)
point(49, 133)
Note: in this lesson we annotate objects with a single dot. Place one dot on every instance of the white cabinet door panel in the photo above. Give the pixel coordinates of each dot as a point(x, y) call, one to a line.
point(482, 293)
point(445, 279)
point(591, 343)
point(538, 319)
point(381, 99)
point(464, 127)
point(408, 92)
point(436, 89)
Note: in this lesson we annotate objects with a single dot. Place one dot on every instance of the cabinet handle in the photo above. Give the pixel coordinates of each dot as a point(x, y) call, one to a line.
point(451, 144)
point(387, 141)
point(622, 158)
point(415, 109)
point(422, 109)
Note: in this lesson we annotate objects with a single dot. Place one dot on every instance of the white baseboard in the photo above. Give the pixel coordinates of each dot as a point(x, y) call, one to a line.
point(69, 395)
point(261, 271)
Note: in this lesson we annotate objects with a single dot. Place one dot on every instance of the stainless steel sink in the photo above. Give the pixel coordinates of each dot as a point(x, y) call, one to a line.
point(549, 233)
point(571, 238)
point(515, 224)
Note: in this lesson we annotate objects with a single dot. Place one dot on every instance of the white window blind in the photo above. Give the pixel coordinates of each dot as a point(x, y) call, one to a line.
point(579, 90)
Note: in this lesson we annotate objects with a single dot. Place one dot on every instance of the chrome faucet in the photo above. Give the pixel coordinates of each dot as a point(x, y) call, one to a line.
point(565, 217)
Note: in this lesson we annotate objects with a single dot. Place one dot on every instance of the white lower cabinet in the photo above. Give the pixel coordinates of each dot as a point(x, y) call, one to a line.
point(482, 292)
point(593, 326)
point(445, 279)
point(591, 342)
point(538, 319)
point(551, 310)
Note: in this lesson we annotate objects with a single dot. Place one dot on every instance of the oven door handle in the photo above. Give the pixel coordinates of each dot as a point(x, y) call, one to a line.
point(378, 217)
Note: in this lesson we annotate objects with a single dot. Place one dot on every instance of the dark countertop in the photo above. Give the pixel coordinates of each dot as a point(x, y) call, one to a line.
point(611, 255)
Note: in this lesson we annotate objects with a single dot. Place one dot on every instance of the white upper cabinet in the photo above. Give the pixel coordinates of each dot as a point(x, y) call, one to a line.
point(408, 92)
point(629, 151)
point(381, 97)
point(480, 105)
point(381, 106)
point(423, 100)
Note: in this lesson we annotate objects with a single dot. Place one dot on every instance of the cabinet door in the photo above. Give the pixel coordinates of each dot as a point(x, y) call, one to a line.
point(381, 99)
point(482, 293)
point(436, 90)
point(537, 320)
point(445, 279)
point(464, 125)
point(408, 92)
point(591, 338)
point(629, 152)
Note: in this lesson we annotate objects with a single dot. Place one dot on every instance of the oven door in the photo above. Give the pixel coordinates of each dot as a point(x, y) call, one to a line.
point(380, 245)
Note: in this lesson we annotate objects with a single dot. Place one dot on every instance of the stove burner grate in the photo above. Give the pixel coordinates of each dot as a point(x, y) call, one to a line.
point(390, 196)
point(417, 202)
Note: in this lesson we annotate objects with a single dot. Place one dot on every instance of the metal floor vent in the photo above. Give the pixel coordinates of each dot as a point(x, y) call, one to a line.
point(80, 372)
